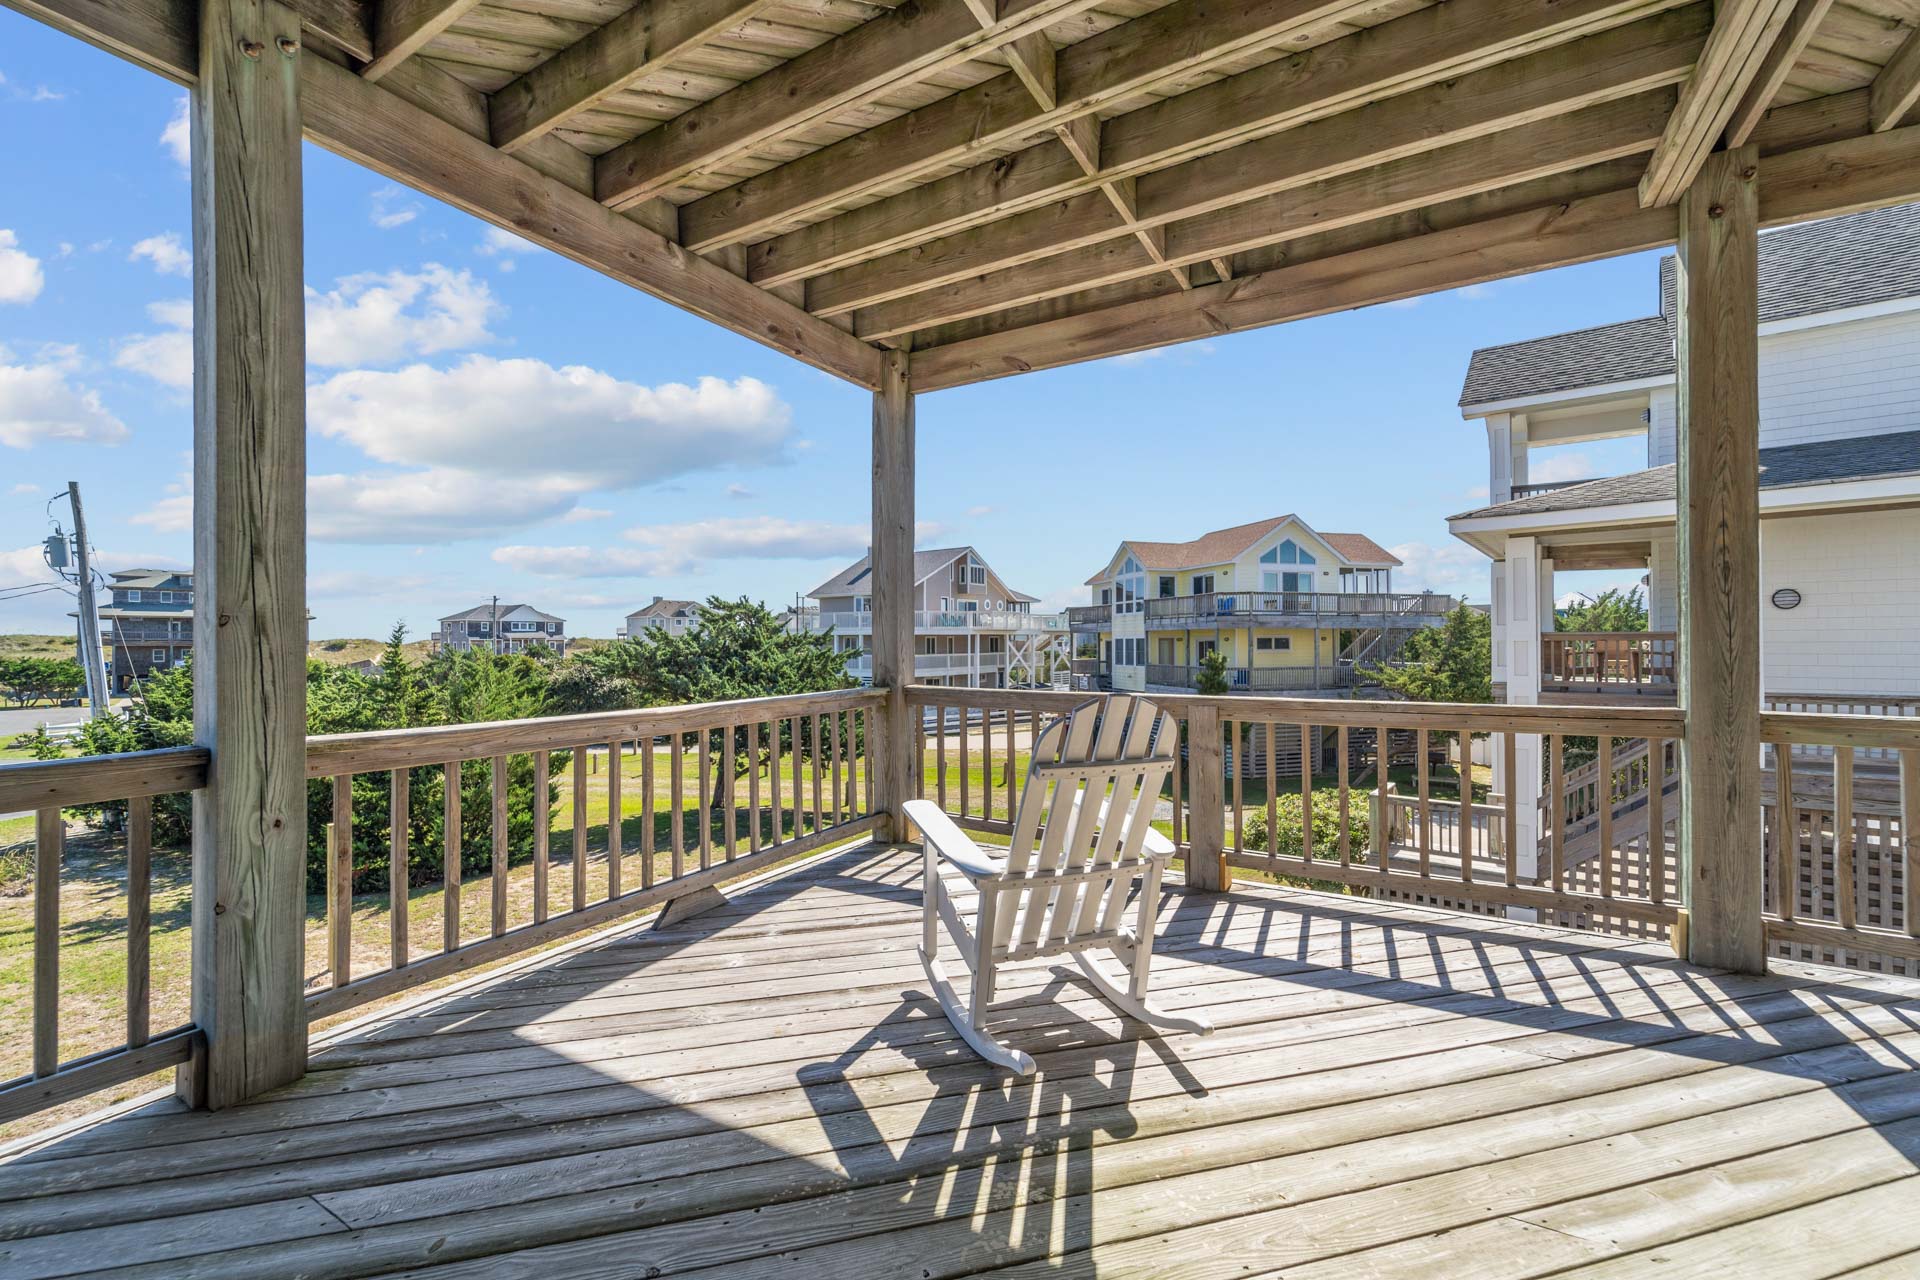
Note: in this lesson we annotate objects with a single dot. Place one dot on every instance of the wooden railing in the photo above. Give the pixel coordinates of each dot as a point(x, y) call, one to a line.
point(1843, 849)
point(1332, 831)
point(723, 789)
point(1609, 661)
point(1330, 675)
point(48, 788)
point(1298, 604)
point(773, 777)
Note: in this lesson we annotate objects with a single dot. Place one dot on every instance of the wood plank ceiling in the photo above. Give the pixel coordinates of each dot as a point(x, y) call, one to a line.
point(1000, 185)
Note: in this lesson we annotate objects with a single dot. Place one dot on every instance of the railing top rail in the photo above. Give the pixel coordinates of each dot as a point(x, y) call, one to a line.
point(1899, 733)
point(336, 753)
point(45, 784)
point(1609, 635)
point(1619, 722)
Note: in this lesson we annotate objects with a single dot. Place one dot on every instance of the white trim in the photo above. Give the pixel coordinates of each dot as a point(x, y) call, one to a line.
point(1836, 494)
point(1487, 408)
point(1846, 315)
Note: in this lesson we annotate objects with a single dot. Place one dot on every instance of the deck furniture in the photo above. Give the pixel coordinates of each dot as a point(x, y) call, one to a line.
point(1082, 832)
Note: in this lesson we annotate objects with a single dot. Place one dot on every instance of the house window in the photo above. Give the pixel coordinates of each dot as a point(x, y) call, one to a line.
point(133, 597)
point(1166, 586)
point(159, 657)
point(1106, 595)
point(1273, 644)
point(1130, 588)
point(1202, 584)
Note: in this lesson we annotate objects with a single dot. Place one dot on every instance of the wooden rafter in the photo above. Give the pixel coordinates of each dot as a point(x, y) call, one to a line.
point(1830, 178)
point(1163, 45)
point(903, 45)
point(1406, 53)
point(1642, 56)
point(1805, 19)
point(1744, 32)
point(638, 43)
point(403, 27)
point(1897, 88)
point(1612, 129)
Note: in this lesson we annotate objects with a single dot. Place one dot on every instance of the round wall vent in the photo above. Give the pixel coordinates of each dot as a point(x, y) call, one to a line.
point(1786, 598)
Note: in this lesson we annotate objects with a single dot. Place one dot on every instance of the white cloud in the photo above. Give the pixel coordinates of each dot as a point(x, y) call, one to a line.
point(24, 487)
point(581, 514)
point(739, 491)
point(20, 276)
point(1449, 570)
point(393, 208)
point(173, 513)
point(38, 402)
point(359, 584)
point(433, 506)
point(177, 137)
point(527, 421)
point(976, 512)
point(382, 318)
point(25, 565)
point(498, 242)
point(169, 256)
point(166, 357)
point(669, 549)
point(1559, 468)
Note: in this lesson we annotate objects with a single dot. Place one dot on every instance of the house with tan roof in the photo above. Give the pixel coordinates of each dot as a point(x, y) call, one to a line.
point(1292, 610)
point(970, 628)
point(675, 617)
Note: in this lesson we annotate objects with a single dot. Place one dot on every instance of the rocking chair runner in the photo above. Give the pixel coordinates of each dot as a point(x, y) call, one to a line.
point(1081, 831)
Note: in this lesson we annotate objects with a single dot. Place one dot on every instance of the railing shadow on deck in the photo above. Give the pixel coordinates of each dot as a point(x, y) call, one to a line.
point(649, 1157)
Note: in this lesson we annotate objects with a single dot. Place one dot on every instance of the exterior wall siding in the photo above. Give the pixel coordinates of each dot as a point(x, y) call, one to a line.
point(1859, 581)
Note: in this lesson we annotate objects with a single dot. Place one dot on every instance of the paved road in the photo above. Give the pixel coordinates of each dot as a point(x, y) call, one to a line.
point(13, 722)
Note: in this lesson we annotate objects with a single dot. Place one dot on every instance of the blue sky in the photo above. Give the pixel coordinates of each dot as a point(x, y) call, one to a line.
point(487, 417)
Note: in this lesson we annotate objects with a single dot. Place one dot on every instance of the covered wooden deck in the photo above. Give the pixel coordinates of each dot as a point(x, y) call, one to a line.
point(768, 1089)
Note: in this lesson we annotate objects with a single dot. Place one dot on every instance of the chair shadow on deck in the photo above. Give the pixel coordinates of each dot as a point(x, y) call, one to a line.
point(675, 1132)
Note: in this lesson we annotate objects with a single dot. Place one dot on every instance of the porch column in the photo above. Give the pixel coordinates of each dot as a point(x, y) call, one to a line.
point(1521, 607)
point(1719, 549)
point(249, 551)
point(893, 590)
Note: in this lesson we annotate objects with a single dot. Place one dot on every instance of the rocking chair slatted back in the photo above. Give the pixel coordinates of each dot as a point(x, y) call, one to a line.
point(1086, 807)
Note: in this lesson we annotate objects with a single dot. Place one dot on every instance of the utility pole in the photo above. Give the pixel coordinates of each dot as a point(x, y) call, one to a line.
point(495, 630)
point(91, 656)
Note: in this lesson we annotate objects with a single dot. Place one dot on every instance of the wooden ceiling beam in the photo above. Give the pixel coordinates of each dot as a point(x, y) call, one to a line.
point(1817, 181)
point(1162, 45)
point(401, 28)
point(641, 41)
point(903, 45)
point(1805, 19)
point(1744, 32)
point(433, 138)
point(1406, 53)
point(1897, 87)
point(1645, 55)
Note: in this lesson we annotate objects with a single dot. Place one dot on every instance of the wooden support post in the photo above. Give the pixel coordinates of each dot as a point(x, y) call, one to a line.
point(250, 625)
point(1206, 807)
point(1719, 544)
point(893, 604)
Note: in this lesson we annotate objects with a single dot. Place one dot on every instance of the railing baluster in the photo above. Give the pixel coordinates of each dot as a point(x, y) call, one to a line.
point(580, 758)
point(398, 822)
point(1605, 784)
point(818, 768)
point(940, 754)
point(1909, 759)
point(1844, 831)
point(542, 819)
point(139, 918)
point(729, 801)
point(450, 853)
point(1346, 804)
point(833, 760)
point(497, 885)
point(677, 798)
point(1556, 811)
point(340, 903)
point(1178, 783)
point(986, 764)
point(1656, 820)
point(1273, 790)
point(773, 776)
point(1509, 753)
point(966, 760)
point(704, 795)
point(616, 804)
point(644, 745)
point(1425, 810)
point(1306, 792)
point(1234, 760)
point(1382, 833)
point(1464, 787)
point(753, 786)
point(49, 848)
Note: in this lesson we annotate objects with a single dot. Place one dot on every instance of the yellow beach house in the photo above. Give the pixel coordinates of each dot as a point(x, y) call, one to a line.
point(1290, 609)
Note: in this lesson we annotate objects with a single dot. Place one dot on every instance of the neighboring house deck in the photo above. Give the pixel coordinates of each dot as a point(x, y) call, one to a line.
point(1391, 1092)
point(970, 628)
point(146, 624)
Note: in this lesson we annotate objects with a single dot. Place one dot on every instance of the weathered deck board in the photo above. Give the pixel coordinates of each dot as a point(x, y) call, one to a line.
point(769, 1089)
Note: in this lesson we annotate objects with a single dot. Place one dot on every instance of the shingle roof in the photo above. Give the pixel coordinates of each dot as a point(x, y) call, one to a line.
point(1223, 545)
point(136, 579)
point(484, 613)
point(1822, 462)
point(851, 581)
point(1829, 265)
point(1360, 549)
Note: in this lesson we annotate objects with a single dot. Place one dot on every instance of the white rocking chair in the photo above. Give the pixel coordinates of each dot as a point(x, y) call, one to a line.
point(1081, 832)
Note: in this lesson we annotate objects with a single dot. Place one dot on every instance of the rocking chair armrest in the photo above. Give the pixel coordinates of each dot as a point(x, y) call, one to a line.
point(950, 842)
